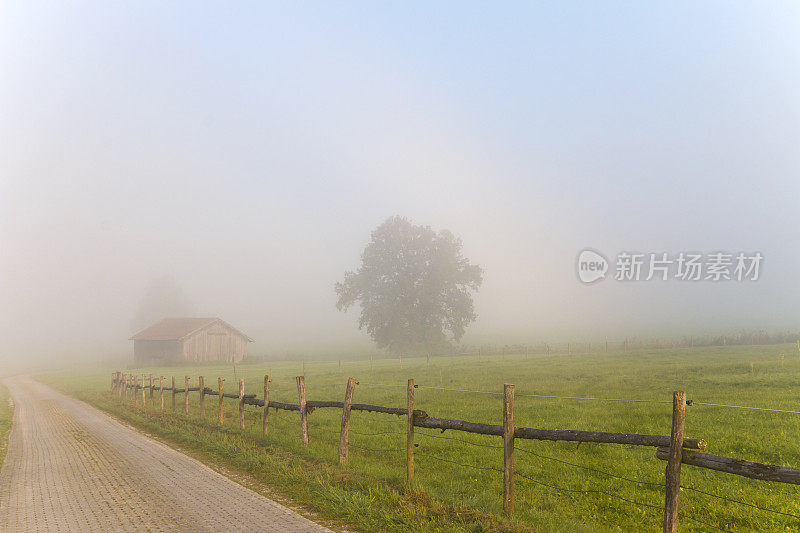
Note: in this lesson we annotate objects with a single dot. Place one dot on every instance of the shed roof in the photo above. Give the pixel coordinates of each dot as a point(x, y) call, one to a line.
point(168, 329)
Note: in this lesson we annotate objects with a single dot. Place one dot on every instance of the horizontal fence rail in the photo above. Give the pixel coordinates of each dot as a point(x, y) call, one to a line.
point(739, 467)
point(570, 435)
point(673, 448)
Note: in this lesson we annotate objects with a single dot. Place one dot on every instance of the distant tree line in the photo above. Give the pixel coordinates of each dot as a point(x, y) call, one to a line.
point(743, 338)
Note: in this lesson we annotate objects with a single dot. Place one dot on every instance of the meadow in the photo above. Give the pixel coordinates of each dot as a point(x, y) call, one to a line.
point(560, 486)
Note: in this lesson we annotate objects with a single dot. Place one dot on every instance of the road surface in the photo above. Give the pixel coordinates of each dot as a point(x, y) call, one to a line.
point(70, 467)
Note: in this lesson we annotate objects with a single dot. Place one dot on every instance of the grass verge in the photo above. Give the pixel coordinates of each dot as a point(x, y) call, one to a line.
point(341, 498)
point(6, 415)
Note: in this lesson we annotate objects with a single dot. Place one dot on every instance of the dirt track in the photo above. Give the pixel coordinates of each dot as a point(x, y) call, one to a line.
point(71, 467)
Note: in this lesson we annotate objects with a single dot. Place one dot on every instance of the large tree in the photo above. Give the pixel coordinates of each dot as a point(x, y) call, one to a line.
point(414, 287)
point(163, 298)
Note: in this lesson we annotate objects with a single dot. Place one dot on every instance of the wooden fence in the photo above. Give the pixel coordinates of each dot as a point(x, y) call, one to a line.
point(675, 448)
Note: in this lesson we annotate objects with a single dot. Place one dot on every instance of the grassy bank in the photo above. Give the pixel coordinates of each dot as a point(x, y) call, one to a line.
point(6, 414)
point(338, 497)
point(455, 475)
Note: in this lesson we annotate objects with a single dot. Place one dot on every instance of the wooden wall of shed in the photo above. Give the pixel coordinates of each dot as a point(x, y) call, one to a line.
point(147, 351)
point(215, 343)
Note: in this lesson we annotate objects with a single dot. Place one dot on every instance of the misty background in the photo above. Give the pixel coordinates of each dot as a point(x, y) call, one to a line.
point(247, 151)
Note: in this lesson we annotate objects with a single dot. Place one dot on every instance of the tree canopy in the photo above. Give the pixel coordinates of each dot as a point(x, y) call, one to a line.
point(414, 287)
point(163, 298)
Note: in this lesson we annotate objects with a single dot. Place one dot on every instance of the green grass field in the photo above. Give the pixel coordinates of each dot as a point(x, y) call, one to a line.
point(6, 413)
point(456, 497)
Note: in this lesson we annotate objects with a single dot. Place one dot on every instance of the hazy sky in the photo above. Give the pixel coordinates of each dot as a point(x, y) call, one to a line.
point(248, 150)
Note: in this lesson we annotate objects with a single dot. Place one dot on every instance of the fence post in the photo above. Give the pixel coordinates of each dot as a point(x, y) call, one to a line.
point(301, 392)
point(241, 403)
point(673, 471)
point(144, 398)
point(161, 390)
point(151, 390)
point(266, 405)
point(119, 383)
point(136, 390)
point(410, 434)
point(219, 382)
point(202, 385)
point(344, 436)
point(508, 449)
point(186, 395)
point(173, 393)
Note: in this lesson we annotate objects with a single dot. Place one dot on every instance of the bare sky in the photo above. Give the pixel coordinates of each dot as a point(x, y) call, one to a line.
point(248, 150)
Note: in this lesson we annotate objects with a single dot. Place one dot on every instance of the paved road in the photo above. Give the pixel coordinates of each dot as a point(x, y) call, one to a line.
point(71, 467)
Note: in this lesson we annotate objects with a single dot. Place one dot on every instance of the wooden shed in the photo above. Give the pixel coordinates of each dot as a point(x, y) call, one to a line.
point(176, 340)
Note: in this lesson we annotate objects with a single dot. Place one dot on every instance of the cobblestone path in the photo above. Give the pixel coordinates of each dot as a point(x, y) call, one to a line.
point(70, 467)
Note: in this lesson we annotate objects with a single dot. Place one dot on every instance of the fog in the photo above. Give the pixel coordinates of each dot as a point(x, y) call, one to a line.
point(247, 151)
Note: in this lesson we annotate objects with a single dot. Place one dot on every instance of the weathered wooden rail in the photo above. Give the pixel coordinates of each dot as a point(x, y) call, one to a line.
point(739, 467)
point(572, 435)
point(673, 448)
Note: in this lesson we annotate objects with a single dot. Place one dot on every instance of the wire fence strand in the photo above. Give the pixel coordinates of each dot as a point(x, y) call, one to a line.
point(460, 440)
point(377, 434)
point(379, 384)
point(747, 407)
point(460, 390)
point(597, 399)
point(381, 450)
point(561, 489)
point(589, 398)
point(537, 482)
point(490, 468)
point(732, 500)
point(609, 474)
